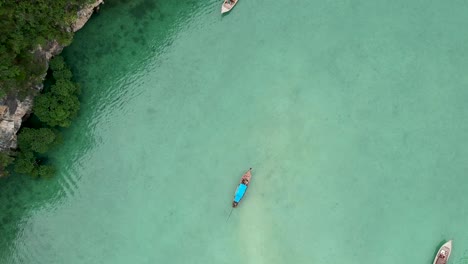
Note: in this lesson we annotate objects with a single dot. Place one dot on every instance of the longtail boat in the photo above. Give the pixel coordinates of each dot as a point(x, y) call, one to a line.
point(228, 5)
point(242, 187)
point(444, 253)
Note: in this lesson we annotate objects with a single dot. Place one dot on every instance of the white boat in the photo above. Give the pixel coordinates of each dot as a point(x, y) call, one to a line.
point(444, 253)
point(228, 5)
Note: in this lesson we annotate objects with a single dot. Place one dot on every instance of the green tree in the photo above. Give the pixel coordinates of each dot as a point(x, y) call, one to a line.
point(24, 26)
point(56, 110)
point(65, 74)
point(25, 163)
point(64, 87)
point(60, 105)
point(57, 63)
point(37, 140)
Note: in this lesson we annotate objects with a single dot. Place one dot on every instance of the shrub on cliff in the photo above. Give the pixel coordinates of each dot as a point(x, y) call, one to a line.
point(60, 105)
point(57, 63)
point(59, 69)
point(31, 143)
point(55, 109)
point(37, 140)
point(26, 163)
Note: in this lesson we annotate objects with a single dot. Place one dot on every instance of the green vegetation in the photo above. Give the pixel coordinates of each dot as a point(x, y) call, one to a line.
point(60, 105)
point(5, 161)
point(24, 26)
point(54, 108)
point(27, 163)
point(37, 140)
point(31, 143)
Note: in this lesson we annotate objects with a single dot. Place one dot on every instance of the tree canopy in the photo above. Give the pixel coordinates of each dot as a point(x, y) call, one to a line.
point(60, 105)
point(25, 25)
point(37, 140)
point(31, 143)
point(55, 107)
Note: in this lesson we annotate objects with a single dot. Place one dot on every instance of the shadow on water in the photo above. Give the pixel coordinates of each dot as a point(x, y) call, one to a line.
point(123, 34)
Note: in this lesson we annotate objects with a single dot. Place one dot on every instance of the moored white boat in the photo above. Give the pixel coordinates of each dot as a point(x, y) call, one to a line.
point(228, 5)
point(443, 254)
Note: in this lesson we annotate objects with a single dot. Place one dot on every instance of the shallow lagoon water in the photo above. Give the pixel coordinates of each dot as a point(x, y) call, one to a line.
point(352, 113)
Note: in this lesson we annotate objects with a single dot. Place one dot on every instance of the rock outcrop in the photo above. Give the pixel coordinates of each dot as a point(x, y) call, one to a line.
point(12, 113)
point(84, 15)
point(13, 110)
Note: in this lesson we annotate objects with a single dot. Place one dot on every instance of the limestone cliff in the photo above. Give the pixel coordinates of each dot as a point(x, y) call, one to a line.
point(13, 110)
point(84, 15)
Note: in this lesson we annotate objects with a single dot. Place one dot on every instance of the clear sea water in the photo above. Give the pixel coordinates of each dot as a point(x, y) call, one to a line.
point(353, 115)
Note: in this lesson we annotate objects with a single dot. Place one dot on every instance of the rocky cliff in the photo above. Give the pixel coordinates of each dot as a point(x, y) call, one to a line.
point(13, 110)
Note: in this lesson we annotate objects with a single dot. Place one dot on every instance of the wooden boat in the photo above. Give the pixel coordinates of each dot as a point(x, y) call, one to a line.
point(228, 5)
point(444, 253)
point(242, 187)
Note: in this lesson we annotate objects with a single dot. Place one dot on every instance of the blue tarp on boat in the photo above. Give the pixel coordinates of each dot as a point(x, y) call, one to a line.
point(240, 192)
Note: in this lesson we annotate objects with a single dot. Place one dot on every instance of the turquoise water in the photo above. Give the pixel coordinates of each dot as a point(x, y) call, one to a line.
point(352, 113)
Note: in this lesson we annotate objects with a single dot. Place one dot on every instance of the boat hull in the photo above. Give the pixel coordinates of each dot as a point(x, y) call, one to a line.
point(228, 5)
point(443, 254)
point(241, 189)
